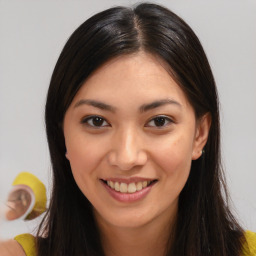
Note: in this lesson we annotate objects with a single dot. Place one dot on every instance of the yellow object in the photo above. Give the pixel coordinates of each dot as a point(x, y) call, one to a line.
point(249, 249)
point(28, 243)
point(38, 188)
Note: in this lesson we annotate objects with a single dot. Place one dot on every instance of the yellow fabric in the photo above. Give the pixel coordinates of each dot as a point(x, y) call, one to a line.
point(27, 242)
point(249, 248)
point(38, 188)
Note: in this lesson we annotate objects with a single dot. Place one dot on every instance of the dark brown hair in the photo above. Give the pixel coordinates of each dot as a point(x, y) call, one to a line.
point(205, 225)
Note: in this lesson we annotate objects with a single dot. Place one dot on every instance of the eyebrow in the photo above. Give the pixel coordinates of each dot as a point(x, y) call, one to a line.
point(143, 108)
point(96, 104)
point(158, 103)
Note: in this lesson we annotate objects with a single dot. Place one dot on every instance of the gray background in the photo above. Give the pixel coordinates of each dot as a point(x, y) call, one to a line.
point(32, 34)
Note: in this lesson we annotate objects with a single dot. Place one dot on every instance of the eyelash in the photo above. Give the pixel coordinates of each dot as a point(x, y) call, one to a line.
point(165, 118)
point(90, 118)
point(103, 120)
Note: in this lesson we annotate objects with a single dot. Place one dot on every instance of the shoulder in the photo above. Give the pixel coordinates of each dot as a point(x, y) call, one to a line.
point(28, 243)
point(11, 248)
point(249, 248)
point(22, 245)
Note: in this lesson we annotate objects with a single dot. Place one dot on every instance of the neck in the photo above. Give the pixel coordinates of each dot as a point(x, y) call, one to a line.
point(150, 239)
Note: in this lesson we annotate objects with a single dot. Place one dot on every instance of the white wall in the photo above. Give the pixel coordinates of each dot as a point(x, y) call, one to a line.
point(32, 34)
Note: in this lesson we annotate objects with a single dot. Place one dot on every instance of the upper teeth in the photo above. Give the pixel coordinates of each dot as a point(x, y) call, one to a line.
point(128, 188)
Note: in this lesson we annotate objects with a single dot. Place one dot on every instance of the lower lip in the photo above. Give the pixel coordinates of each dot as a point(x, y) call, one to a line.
point(128, 197)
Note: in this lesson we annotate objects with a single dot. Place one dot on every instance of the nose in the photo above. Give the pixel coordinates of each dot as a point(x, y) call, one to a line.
point(127, 150)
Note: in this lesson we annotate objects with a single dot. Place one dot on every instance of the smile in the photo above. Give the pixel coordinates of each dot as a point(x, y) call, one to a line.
point(128, 191)
point(128, 187)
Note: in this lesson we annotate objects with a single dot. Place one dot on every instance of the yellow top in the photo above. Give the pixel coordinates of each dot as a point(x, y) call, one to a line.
point(249, 249)
point(27, 242)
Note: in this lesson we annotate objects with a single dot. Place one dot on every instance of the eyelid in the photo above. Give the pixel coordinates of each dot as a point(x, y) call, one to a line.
point(85, 120)
point(169, 119)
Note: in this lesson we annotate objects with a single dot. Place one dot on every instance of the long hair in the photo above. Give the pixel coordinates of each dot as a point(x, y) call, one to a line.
point(205, 225)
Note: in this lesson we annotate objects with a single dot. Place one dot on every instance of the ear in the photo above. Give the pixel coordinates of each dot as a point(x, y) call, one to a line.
point(66, 154)
point(201, 135)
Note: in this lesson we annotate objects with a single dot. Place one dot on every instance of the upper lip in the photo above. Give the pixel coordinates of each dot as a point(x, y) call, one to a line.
point(128, 180)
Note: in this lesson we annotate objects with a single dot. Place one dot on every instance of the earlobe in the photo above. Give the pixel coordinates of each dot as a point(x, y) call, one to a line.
point(201, 136)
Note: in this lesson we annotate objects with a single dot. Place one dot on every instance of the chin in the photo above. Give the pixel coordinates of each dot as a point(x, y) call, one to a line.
point(127, 219)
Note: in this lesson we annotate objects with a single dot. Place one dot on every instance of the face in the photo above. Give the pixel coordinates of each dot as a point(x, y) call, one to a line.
point(131, 135)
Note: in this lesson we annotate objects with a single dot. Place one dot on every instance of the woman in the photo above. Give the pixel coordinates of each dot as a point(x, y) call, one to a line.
point(132, 123)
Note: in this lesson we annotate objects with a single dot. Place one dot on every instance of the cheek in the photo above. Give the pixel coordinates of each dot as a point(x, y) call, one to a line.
point(83, 161)
point(83, 155)
point(174, 161)
point(174, 155)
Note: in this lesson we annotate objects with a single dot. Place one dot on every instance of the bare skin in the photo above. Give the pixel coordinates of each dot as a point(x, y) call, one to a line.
point(130, 241)
point(11, 248)
point(145, 131)
point(116, 137)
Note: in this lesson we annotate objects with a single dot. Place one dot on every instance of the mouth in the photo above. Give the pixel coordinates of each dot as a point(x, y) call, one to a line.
point(130, 188)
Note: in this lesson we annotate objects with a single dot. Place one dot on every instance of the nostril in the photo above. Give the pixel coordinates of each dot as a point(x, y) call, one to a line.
point(126, 159)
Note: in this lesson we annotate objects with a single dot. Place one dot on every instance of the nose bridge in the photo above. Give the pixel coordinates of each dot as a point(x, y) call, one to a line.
point(127, 148)
point(128, 145)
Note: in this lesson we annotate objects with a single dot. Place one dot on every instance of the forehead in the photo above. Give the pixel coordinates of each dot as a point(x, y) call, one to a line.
point(138, 76)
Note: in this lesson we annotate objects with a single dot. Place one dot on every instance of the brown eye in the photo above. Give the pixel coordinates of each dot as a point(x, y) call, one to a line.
point(95, 121)
point(159, 121)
